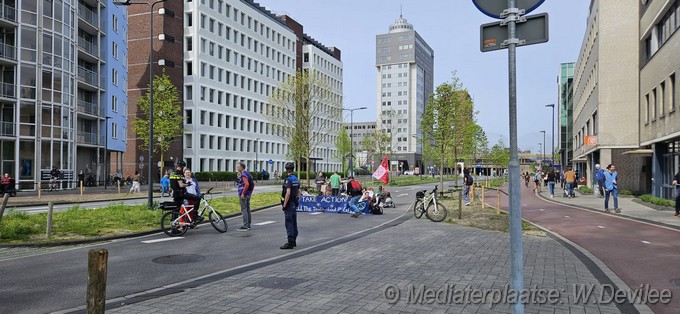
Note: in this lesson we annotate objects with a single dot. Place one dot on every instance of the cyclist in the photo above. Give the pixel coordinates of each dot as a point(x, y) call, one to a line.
point(179, 187)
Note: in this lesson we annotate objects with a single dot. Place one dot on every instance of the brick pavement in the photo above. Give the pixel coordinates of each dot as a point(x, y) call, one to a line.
point(352, 277)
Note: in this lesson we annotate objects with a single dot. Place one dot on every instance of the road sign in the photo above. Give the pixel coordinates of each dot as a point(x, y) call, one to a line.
point(494, 36)
point(494, 8)
point(141, 158)
point(271, 162)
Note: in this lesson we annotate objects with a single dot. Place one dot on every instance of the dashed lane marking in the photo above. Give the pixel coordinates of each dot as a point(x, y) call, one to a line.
point(316, 213)
point(264, 223)
point(645, 242)
point(567, 217)
point(161, 240)
point(400, 195)
point(601, 227)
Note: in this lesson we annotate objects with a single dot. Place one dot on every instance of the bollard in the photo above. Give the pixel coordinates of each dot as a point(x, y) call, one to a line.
point(498, 202)
point(5, 198)
point(81, 188)
point(460, 204)
point(118, 186)
point(39, 189)
point(483, 201)
point(97, 266)
point(50, 208)
point(472, 195)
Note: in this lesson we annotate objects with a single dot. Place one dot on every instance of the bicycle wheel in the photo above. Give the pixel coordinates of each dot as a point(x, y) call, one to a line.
point(171, 227)
point(418, 209)
point(217, 221)
point(436, 213)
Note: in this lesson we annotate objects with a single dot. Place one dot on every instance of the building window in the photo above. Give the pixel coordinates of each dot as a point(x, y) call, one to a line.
point(654, 103)
point(114, 131)
point(188, 93)
point(114, 103)
point(189, 44)
point(188, 19)
point(671, 92)
point(662, 99)
point(114, 77)
point(188, 116)
point(595, 123)
point(115, 23)
point(115, 50)
point(647, 109)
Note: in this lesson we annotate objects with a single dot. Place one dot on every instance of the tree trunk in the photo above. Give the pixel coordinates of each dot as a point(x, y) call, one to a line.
point(308, 180)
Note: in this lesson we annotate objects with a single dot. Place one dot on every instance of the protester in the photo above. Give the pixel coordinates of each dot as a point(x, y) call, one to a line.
point(551, 182)
point(245, 190)
point(5, 183)
point(467, 182)
point(320, 181)
point(676, 183)
point(611, 188)
point(335, 183)
point(354, 191)
point(304, 191)
point(289, 200)
point(165, 185)
point(599, 177)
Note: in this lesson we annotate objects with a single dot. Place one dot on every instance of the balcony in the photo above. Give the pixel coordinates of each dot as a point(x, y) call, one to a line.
point(87, 107)
point(88, 47)
point(8, 90)
point(87, 138)
point(8, 52)
point(88, 15)
point(7, 128)
point(88, 76)
point(8, 13)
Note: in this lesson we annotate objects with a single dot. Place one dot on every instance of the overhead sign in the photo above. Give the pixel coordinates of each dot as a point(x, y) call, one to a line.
point(533, 31)
point(591, 140)
point(494, 8)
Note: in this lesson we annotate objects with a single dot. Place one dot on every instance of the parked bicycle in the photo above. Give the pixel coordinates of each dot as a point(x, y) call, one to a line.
point(177, 221)
point(428, 205)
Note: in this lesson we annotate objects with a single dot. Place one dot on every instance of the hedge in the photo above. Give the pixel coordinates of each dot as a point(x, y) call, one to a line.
point(585, 190)
point(233, 176)
point(657, 200)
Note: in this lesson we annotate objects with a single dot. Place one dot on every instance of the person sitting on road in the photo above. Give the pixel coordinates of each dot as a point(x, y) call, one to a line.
point(304, 191)
point(5, 183)
point(193, 192)
point(354, 191)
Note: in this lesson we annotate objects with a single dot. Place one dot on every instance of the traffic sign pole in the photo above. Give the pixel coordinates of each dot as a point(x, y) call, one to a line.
point(516, 259)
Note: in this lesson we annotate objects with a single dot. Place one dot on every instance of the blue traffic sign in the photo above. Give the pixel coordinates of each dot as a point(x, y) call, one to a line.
point(494, 8)
point(271, 161)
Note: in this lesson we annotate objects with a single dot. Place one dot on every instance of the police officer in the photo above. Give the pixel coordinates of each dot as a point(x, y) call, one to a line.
point(179, 187)
point(289, 199)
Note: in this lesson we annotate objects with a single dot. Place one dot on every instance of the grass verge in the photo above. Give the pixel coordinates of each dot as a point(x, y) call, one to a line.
point(585, 190)
point(117, 219)
point(484, 218)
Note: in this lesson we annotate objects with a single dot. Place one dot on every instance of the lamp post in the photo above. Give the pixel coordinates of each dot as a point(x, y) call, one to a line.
point(552, 152)
point(151, 167)
point(351, 135)
point(540, 147)
point(543, 158)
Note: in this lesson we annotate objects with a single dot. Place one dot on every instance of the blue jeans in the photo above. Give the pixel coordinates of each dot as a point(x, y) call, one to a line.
point(551, 184)
point(165, 189)
point(466, 193)
point(290, 215)
point(353, 204)
point(615, 194)
point(570, 188)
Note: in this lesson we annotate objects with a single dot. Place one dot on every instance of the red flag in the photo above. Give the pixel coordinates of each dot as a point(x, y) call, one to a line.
point(382, 173)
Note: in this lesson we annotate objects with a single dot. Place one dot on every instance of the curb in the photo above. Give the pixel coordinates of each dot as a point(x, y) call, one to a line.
point(110, 238)
point(39, 203)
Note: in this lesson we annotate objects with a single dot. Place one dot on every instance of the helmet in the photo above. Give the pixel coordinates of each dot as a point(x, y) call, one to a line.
point(289, 165)
point(180, 163)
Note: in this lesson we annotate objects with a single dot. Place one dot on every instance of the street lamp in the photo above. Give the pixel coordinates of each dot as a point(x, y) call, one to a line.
point(543, 146)
point(351, 135)
point(151, 6)
point(552, 152)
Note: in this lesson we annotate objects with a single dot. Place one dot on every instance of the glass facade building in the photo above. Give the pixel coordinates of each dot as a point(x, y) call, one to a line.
point(565, 83)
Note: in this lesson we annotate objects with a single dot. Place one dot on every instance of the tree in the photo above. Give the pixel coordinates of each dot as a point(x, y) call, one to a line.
point(500, 155)
point(167, 118)
point(446, 123)
point(343, 147)
point(478, 145)
point(305, 111)
point(388, 127)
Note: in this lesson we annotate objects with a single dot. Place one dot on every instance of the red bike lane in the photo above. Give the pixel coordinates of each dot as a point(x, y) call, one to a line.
point(639, 253)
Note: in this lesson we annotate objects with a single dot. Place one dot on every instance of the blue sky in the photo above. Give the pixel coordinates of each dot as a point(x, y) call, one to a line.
point(451, 28)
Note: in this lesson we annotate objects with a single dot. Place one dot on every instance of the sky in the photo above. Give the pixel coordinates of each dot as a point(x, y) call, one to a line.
point(451, 28)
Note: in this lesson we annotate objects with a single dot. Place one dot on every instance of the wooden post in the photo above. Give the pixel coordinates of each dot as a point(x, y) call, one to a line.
point(97, 267)
point(483, 202)
point(498, 201)
point(39, 190)
point(118, 186)
point(472, 194)
point(50, 208)
point(5, 198)
point(460, 204)
point(81, 188)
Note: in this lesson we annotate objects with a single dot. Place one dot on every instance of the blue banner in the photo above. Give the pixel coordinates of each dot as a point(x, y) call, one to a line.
point(329, 204)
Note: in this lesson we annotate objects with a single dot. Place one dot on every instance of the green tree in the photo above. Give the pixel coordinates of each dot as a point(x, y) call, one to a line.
point(167, 118)
point(478, 146)
point(305, 111)
point(343, 147)
point(499, 154)
point(446, 123)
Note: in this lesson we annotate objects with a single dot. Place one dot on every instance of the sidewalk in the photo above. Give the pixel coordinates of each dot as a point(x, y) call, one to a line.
point(629, 208)
point(375, 274)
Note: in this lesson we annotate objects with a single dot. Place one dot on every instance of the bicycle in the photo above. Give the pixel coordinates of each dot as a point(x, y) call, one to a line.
point(428, 205)
point(177, 221)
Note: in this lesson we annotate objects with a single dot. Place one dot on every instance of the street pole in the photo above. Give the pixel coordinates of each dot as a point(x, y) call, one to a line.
point(516, 258)
point(150, 166)
point(543, 156)
point(552, 152)
point(351, 136)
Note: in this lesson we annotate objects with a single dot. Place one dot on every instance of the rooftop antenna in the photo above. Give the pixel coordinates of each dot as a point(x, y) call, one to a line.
point(401, 11)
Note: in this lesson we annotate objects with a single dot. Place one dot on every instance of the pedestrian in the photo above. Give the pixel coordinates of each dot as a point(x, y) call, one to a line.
point(551, 182)
point(611, 188)
point(467, 182)
point(245, 190)
point(676, 183)
point(355, 192)
point(537, 182)
point(165, 185)
point(335, 184)
point(599, 177)
point(289, 200)
point(320, 181)
point(81, 178)
point(570, 181)
point(5, 183)
point(562, 179)
point(527, 178)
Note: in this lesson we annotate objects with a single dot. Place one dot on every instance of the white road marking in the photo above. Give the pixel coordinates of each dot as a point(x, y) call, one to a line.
point(161, 240)
point(316, 213)
point(264, 223)
point(601, 227)
point(567, 217)
point(541, 209)
point(646, 242)
point(400, 195)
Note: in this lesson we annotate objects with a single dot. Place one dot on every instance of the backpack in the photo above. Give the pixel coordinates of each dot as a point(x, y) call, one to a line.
point(470, 179)
point(356, 187)
point(251, 182)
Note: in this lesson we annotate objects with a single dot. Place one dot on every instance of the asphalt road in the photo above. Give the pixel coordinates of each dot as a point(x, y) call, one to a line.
point(639, 253)
point(57, 281)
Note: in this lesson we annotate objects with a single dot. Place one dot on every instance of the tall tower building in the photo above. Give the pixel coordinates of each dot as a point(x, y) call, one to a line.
point(565, 84)
point(405, 64)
